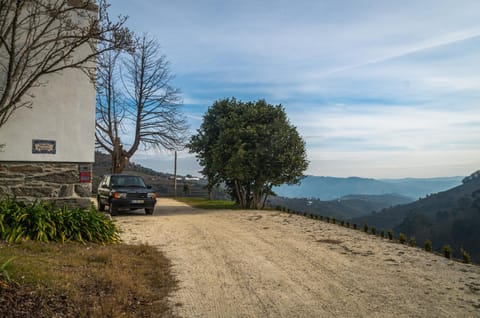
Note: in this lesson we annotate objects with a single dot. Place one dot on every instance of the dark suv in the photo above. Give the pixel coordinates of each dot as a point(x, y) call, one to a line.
point(125, 192)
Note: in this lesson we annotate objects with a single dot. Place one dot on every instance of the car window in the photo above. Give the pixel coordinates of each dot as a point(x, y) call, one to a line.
point(127, 181)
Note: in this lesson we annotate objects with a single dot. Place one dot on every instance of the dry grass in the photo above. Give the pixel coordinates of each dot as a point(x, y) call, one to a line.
point(74, 280)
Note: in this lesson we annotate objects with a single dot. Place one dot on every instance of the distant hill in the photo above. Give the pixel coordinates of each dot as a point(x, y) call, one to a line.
point(345, 208)
point(449, 217)
point(330, 188)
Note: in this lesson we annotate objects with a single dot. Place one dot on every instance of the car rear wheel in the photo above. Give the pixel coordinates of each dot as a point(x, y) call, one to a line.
point(149, 211)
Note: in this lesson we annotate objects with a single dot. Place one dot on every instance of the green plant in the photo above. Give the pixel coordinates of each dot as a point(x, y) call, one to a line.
point(402, 238)
point(390, 234)
point(447, 251)
point(365, 228)
point(428, 245)
point(382, 233)
point(4, 271)
point(327, 219)
point(466, 256)
point(43, 221)
point(354, 226)
point(373, 230)
point(348, 224)
point(342, 222)
point(334, 220)
point(412, 241)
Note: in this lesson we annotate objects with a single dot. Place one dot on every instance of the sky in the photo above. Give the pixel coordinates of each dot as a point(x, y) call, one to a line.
point(377, 89)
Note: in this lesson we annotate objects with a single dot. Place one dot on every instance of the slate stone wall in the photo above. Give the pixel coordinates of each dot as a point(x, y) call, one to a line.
point(45, 181)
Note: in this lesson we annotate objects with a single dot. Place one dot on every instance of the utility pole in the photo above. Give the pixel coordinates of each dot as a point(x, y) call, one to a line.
point(175, 175)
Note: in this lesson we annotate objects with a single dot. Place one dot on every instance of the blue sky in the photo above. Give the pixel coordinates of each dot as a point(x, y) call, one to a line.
point(381, 89)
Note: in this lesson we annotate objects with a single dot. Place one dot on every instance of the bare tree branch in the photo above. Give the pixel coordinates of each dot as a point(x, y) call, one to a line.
point(41, 37)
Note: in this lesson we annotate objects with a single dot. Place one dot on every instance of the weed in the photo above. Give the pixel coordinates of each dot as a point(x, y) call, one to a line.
point(4, 275)
point(365, 228)
point(334, 221)
point(382, 233)
point(354, 226)
point(342, 223)
point(402, 238)
point(348, 224)
point(327, 219)
point(373, 230)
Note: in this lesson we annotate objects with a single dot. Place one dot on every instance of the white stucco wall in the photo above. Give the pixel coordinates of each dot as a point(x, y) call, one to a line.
point(63, 111)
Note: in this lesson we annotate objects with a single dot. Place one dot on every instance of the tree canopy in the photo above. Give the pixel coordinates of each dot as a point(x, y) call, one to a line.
point(250, 147)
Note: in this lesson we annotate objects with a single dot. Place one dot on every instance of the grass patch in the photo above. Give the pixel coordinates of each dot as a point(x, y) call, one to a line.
point(84, 280)
point(202, 203)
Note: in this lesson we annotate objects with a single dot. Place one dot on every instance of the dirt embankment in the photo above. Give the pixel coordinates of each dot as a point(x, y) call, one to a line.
point(272, 264)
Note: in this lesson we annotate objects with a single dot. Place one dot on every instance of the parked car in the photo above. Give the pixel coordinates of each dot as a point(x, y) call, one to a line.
point(125, 192)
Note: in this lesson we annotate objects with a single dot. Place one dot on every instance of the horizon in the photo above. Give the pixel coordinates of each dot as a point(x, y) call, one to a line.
point(376, 89)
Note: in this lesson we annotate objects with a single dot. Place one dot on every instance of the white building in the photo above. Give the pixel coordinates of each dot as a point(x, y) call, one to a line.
point(49, 148)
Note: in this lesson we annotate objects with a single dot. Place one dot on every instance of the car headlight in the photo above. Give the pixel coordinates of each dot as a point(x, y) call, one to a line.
point(119, 195)
point(152, 195)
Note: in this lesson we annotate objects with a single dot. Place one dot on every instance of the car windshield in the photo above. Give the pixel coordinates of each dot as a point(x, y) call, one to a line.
point(127, 181)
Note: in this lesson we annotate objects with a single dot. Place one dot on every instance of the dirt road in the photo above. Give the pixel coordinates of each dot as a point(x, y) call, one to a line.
point(272, 264)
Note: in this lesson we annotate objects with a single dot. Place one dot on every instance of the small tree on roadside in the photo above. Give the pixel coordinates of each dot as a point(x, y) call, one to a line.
point(42, 37)
point(250, 147)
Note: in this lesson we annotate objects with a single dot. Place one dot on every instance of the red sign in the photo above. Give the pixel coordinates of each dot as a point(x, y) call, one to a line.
point(85, 177)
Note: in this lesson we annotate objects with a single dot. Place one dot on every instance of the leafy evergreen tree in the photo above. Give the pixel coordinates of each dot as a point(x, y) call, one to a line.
point(250, 147)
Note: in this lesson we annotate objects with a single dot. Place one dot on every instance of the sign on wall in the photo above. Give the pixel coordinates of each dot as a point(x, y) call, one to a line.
point(44, 146)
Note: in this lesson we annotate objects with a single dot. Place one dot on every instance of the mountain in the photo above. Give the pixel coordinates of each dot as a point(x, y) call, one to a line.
point(449, 217)
point(345, 208)
point(329, 188)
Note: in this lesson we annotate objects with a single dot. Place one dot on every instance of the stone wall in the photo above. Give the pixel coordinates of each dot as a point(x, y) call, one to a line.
point(31, 181)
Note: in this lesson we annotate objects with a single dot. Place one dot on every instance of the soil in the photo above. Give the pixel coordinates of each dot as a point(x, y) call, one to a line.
point(237, 263)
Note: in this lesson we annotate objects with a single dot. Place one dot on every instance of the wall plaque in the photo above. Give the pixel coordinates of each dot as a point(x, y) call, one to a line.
point(44, 146)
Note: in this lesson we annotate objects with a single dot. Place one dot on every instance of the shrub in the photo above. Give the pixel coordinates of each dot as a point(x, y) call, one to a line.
point(373, 230)
point(327, 219)
point(334, 221)
point(402, 238)
point(342, 222)
point(447, 251)
point(428, 245)
point(354, 226)
point(412, 241)
point(382, 233)
point(365, 228)
point(390, 234)
point(348, 224)
point(42, 221)
point(321, 217)
point(466, 256)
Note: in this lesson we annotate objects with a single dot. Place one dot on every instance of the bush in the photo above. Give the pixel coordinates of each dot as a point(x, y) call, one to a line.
point(348, 224)
point(365, 228)
point(447, 251)
point(466, 256)
point(412, 241)
point(428, 245)
point(373, 230)
point(327, 219)
point(402, 238)
point(354, 226)
point(382, 233)
point(42, 221)
point(390, 234)
point(342, 223)
point(334, 220)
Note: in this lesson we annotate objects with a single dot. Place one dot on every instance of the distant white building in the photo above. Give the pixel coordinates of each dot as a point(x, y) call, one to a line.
point(49, 149)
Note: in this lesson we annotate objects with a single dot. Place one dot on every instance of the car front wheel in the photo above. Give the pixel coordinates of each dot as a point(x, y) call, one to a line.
point(149, 211)
point(113, 211)
point(101, 206)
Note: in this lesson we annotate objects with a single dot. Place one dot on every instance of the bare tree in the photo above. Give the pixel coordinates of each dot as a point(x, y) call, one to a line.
point(146, 110)
point(41, 37)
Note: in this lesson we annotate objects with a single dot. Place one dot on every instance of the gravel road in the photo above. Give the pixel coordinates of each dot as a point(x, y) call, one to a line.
point(272, 264)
